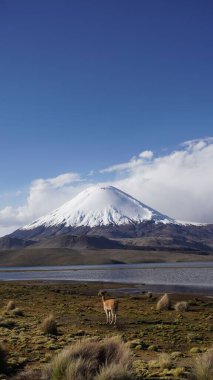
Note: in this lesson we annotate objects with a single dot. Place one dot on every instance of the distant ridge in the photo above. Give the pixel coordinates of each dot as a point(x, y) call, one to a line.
point(8, 242)
point(79, 242)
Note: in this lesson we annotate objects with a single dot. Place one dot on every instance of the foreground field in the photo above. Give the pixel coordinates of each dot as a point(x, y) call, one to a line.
point(79, 314)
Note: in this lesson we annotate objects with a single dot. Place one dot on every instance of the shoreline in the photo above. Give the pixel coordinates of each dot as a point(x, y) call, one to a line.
point(122, 287)
point(183, 278)
point(120, 266)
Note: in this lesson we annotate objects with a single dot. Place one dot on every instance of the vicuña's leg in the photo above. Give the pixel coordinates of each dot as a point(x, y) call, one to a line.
point(112, 318)
point(107, 316)
point(115, 319)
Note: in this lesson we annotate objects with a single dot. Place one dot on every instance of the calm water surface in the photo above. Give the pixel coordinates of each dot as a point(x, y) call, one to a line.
point(188, 274)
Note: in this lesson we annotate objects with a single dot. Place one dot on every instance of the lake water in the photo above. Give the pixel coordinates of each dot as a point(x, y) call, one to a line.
point(183, 274)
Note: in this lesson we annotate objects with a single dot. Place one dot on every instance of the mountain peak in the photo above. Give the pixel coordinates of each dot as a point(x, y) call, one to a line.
point(100, 206)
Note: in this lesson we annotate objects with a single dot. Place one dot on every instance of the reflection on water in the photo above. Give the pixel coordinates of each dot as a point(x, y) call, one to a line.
point(191, 274)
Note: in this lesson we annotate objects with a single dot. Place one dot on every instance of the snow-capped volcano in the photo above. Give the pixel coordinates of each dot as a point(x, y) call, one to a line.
point(100, 206)
point(99, 215)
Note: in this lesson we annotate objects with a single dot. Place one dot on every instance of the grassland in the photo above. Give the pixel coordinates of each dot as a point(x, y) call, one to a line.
point(164, 343)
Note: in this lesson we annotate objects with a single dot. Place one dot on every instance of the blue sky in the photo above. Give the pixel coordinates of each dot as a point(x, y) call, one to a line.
point(89, 84)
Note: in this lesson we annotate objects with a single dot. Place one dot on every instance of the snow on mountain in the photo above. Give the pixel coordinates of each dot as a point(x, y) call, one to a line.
point(100, 206)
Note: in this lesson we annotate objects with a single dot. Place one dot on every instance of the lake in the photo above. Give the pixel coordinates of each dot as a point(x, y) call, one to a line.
point(193, 274)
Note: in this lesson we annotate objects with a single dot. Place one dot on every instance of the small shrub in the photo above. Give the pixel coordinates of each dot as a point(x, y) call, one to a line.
point(203, 366)
point(164, 303)
point(152, 347)
point(178, 372)
point(49, 325)
point(92, 360)
point(176, 354)
point(3, 359)
point(10, 306)
point(133, 343)
point(194, 350)
point(181, 306)
point(164, 361)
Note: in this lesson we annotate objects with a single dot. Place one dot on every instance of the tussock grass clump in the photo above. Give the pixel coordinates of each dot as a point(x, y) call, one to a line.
point(3, 358)
point(164, 303)
point(178, 372)
point(181, 306)
point(10, 306)
point(176, 354)
point(203, 366)
point(92, 360)
point(164, 361)
point(49, 325)
point(113, 372)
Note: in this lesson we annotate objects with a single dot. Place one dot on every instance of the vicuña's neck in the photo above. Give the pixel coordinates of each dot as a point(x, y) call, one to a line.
point(103, 298)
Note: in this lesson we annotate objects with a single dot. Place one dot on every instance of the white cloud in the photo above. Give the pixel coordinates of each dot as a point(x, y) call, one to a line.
point(147, 154)
point(44, 195)
point(179, 184)
point(124, 166)
point(63, 179)
point(134, 162)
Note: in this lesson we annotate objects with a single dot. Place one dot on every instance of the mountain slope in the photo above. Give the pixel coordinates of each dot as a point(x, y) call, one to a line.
point(8, 242)
point(79, 242)
point(109, 213)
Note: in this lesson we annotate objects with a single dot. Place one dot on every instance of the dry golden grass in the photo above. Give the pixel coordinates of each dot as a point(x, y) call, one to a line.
point(181, 306)
point(164, 303)
point(203, 366)
point(114, 372)
point(164, 361)
point(49, 325)
point(92, 360)
point(10, 306)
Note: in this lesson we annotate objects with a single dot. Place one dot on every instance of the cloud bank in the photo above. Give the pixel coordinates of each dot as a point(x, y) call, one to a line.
point(44, 195)
point(179, 184)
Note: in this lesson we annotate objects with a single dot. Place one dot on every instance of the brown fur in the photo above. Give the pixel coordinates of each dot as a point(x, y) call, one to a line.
point(110, 307)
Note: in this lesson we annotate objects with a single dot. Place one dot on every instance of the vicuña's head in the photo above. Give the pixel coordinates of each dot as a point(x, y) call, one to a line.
point(102, 293)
